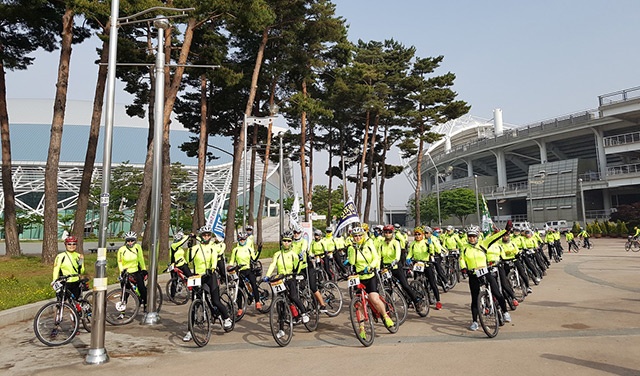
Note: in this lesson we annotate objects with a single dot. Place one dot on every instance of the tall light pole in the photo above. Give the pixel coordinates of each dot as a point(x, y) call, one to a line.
point(97, 353)
point(280, 195)
point(584, 213)
point(152, 317)
point(475, 180)
point(437, 188)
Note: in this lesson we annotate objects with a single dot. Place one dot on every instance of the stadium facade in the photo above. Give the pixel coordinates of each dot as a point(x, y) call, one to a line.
point(582, 165)
point(30, 124)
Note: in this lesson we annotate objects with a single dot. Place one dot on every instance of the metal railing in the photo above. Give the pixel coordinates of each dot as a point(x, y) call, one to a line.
point(624, 169)
point(622, 139)
point(619, 96)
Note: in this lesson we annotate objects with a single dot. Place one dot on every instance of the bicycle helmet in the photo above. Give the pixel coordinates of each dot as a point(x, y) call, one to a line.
point(427, 229)
point(249, 228)
point(396, 226)
point(70, 239)
point(418, 230)
point(287, 235)
point(242, 236)
point(328, 230)
point(131, 235)
point(449, 228)
point(178, 236)
point(204, 230)
point(297, 230)
point(357, 231)
point(317, 233)
point(473, 231)
point(365, 227)
point(388, 228)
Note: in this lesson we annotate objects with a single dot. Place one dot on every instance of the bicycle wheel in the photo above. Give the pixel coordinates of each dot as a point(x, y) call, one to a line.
point(392, 312)
point(400, 304)
point(121, 310)
point(517, 286)
point(87, 310)
point(181, 295)
point(200, 322)
point(332, 297)
point(636, 247)
point(423, 305)
point(266, 296)
point(231, 308)
point(281, 321)
point(158, 298)
point(452, 277)
point(368, 334)
point(311, 306)
point(488, 314)
point(56, 323)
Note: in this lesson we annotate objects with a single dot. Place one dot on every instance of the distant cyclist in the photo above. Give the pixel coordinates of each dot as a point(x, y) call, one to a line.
point(67, 263)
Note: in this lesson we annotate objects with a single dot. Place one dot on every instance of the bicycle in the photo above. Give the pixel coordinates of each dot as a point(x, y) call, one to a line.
point(202, 313)
point(242, 292)
point(176, 288)
point(421, 283)
point(57, 323)
point(283, 312)
point(395, 293)
point(632, 244)
point(452, 268)
point(553, 252)
point(123, 303)
point(490, 313)
point(573, 247)
point(361, 312)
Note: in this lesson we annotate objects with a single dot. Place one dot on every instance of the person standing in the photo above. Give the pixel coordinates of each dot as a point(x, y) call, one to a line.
point(69, 263)
point(131, 258)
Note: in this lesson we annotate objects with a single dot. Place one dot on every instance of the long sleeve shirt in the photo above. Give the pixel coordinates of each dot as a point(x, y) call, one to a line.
point(389, 251)
point(131, 258)
point(204, 257)
point(242, 255)
point(178, 255)
point(474, 256)
point(284, 262)
point(364, 256)
point(67, 263)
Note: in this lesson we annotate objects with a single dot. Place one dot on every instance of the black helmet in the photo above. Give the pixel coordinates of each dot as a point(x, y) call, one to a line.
point(287, 235)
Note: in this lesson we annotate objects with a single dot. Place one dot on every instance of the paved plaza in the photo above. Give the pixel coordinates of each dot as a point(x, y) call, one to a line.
point(583, 319)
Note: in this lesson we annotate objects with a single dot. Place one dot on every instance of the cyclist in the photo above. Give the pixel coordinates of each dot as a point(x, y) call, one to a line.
point(419, 250)
point(131, 258)
point(286, 262)
point(389, 250)
point(204, 257)
point(318, 249)
point(218, 243)
point(331, 249)
point(636, 235)
point(437, 250)
point(178, 257)
point(364, 257)
point(498, 251)
point(584, 235)
point(250, 238)
point(301, 248)
point(512, 251)
point(69, 262)
point(473, 257)
point(243, 254)
point(570, 238)
point(550, 239)
point(529, 243)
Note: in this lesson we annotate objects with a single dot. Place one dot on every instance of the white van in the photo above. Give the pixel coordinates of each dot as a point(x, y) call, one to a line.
point(522, 225)
point(560, 225)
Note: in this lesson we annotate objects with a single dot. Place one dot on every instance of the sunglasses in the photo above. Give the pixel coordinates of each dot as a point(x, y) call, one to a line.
point(130, 241)
point(388, 232)
point(72, 243)
point(286, 240)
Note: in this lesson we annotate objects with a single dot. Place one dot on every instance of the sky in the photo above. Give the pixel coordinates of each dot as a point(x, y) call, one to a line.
point(535, 60)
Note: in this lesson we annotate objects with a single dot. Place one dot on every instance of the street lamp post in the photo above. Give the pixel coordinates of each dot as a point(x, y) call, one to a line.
point(475, 180)
point(437, 188)
point(280, 195)
point(584, 214)
point(152, 317)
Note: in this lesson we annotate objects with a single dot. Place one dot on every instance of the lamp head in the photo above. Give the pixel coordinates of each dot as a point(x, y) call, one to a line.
point(161, 22)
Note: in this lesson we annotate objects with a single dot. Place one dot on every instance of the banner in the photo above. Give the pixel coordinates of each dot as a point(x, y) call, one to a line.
point(214, 221)
point(294, 219)
point(487, 223)
point(349, 216)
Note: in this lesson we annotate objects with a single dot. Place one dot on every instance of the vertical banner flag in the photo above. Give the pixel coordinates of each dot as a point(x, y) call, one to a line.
point(487, 223)
point(294, 219)
point(214, 221)
point(349, 216)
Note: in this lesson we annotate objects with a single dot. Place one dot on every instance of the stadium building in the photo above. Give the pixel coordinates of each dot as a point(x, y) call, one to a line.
point(574, 167)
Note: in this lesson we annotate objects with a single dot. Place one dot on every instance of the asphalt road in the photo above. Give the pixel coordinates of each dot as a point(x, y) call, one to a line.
point(583, 319)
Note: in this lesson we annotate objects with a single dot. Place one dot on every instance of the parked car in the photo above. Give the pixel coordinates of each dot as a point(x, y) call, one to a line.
point(522, 225)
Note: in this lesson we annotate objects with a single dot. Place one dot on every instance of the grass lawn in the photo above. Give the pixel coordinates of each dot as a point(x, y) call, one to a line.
point(25, 279)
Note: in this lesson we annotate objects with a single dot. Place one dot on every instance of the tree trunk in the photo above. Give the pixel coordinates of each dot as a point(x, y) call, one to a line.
point(252, 175)
point(239, 146)
point(198, 220)
point(329, 203)
point(92, 145)
point(303, 160)
point(12, 237)
point(361, 165)
point(370, 169)
point(311, 147)
point(418, 177)
point(383, 174)
point(50, 237)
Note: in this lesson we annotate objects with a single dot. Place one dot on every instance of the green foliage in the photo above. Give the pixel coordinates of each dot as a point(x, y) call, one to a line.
point(595, 228)
point(459, 203)
point(576, 228)
point(320, 200)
